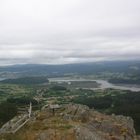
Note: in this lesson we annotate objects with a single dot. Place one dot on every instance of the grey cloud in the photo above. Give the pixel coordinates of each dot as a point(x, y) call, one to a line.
point(68, 31)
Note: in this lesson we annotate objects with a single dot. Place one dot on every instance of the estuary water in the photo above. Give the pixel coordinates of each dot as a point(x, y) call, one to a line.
point(103, 84)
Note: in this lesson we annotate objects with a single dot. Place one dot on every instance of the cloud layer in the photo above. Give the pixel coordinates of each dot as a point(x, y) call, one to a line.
point(57, 32)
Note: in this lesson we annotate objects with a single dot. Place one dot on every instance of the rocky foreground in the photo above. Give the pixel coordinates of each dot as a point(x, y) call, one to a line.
point(74, 122)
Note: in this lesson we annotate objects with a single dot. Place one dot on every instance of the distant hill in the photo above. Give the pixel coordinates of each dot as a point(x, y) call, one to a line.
point(125, 67)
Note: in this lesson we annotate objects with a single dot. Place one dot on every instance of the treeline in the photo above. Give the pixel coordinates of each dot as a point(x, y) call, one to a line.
point(96, 102)
point(26, 80)
point(125, 81)
point(57, 88)
point(22, 101)
point(7, 112)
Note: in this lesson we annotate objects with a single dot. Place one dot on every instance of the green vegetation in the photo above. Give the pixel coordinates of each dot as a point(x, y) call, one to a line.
point(22, 101)
point(12, 90)
point(7, 112)
point(96, 102)
point(58, 88)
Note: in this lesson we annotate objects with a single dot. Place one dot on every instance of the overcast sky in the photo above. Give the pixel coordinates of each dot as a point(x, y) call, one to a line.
point(68, 31)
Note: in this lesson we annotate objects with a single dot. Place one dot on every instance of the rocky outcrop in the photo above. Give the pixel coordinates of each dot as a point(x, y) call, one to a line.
point(97, 126)
point(76, 122)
